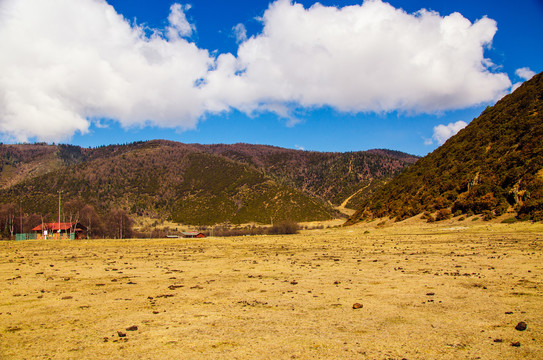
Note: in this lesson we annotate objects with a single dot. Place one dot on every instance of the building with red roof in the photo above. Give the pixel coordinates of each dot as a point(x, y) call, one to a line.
point(60, 230)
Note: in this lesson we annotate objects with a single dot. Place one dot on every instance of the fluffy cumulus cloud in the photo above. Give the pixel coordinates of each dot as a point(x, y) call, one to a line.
point(64, 63)
point(67, 63)
point(524, 74)
point(179, 25)
point(443, 132)
point(369, 57)
point(240, 33)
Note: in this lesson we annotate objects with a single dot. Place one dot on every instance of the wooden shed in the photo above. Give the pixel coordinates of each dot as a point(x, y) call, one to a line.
point(193, 234)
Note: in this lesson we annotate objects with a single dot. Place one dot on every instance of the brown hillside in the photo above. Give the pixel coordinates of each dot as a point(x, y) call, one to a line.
point(192, 183)
point(493, 164)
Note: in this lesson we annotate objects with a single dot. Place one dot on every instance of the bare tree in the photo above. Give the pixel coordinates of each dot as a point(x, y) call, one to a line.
point(91, 220)
point(31, 221)
point(119, 224)
point(10, 213)
point(72, 209)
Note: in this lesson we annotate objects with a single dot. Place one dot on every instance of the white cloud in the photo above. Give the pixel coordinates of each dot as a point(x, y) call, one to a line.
point(525, 74)
point(240, 33)
point(427, 141)
point(370, 57)
point(443, 132)
point(66, 63)
point(179, 25)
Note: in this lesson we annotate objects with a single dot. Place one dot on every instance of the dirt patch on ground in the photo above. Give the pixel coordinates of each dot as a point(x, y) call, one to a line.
point(412, 291)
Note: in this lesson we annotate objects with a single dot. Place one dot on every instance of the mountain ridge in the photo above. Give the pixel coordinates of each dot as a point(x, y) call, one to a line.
point(193, 183)
point(493, 165)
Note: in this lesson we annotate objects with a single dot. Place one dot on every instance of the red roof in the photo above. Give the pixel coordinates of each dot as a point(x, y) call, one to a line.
point(55, 226)
point(196, 234)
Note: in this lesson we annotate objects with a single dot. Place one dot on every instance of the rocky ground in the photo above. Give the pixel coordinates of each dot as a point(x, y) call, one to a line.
point(455, 290)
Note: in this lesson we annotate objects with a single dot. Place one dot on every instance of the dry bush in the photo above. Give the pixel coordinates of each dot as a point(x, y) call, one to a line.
point(284, 228)
point(443, 214)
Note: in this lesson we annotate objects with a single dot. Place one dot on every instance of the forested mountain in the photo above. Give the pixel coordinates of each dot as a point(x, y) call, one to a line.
point(493, 164)
point(192, 183)
point(331, 176)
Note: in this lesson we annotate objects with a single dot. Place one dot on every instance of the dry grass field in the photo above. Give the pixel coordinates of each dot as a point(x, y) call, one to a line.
point(452, 290)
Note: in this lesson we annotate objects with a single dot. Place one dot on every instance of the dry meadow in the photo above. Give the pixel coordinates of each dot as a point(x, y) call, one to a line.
point(453, 290)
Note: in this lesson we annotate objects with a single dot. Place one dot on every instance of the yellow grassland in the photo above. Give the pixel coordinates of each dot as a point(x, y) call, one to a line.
point(452, 290)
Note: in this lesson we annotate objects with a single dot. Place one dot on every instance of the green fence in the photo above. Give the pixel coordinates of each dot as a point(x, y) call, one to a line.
point(63, 236)
point(19, 237)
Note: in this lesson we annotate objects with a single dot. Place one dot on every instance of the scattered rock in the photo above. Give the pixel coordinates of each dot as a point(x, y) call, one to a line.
point(132, 328)
point(294, 282)
point(508, 312)
point(253, 303)
point(498, 340)
point(13, 329)
point(173, 287)
point(521, 326)
point(515, 344)
point(357, 306)
point(430, 294)
point(165, 295)
point(121, 334)
point(67, 297)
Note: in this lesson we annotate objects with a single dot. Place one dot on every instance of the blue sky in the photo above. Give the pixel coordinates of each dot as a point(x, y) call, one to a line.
point(342, 76)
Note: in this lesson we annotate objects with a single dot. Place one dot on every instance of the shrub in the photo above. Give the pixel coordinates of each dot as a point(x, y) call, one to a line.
point(510, 220)
point(284, 228)
point(488, 215)
point(443, 214)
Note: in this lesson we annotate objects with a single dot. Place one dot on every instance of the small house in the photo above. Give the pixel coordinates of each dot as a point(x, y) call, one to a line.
point(60, 231)
point(193, 234)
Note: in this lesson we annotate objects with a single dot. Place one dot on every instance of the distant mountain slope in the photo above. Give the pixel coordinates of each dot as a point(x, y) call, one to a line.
point(192, 183)
point(331, 176)
point(494, 163)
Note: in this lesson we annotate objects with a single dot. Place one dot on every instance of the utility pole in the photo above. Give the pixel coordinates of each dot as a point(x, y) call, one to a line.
point(59, 215)
point(21, 208)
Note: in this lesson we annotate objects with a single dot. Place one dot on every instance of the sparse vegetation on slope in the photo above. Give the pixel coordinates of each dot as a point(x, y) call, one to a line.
point(494, 163)
point(191, 183)
point(331, 176)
